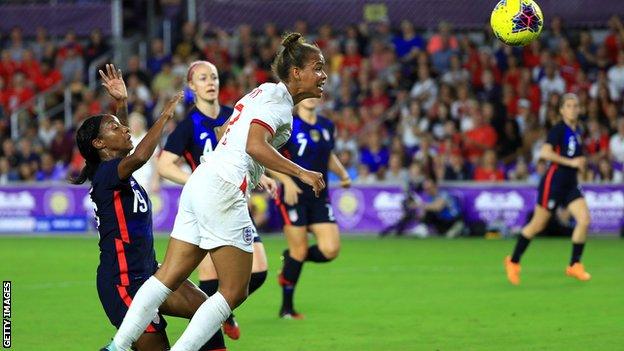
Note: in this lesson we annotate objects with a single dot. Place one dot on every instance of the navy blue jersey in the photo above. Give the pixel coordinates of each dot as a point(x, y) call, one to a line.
point(124, 216)
point(567, 143)
point(196, 135)
point(310, 146)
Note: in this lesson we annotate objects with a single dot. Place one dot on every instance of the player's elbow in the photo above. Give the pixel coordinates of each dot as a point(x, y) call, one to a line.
point(253, 149)
point(140, 158)
point(162, 167)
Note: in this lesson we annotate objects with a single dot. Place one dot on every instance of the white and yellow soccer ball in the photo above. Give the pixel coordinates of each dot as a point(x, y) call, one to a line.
point(517, 22)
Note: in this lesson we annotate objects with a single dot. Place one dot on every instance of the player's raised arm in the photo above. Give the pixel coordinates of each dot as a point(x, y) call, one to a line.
point(112, 80)
point(146, 147)
point(259, 149)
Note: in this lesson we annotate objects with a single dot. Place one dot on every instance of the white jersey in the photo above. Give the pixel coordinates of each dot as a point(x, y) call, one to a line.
point(269, 105)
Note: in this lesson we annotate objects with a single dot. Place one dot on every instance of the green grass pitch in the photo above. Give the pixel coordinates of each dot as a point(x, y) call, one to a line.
point(390, 294)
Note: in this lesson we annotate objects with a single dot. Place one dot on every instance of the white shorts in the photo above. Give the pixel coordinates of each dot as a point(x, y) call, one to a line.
point(213, 213)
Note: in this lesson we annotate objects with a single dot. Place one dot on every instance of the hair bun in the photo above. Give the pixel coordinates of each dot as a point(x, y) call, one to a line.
point(291, 38)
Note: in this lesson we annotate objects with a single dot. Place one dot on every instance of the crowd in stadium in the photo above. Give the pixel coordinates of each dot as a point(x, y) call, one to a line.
point(407, 103)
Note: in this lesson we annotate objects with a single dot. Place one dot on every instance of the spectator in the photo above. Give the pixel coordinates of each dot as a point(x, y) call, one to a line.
point(596, 141)
point(50, 170)
point(48, 77)
point(72, 65)
point(456, 169)
point(520, 172)
point(16, 45)
point(10, 154)
point(158, 57)
point(46, 132)
point(408, 43)
point(616, 73)
point(5, 171)
point(551, 82)
point(19, 94)
point(488, 171)
point(96, 47)
point(396, 174)
point(134, 68)
point(478, 139)
point(164, 80)
point(616, 143)
point(607, 174)
point(373, 154)
point(62, 145)
point(425, 89)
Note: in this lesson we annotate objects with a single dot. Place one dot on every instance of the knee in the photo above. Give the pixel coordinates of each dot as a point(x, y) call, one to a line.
point(583, 220)
point(298, 252)
point(169, 277)
point(330, 251)
point(234, 295)
point(260, 267)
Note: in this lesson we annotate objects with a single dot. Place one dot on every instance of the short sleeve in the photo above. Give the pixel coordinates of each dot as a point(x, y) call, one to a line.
point(554, 135)
point(331, 129)
point(270, 119)
point(107, 175)
point(178, 140)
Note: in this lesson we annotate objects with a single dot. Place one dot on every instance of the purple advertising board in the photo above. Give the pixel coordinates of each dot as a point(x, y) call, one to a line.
point(64, 208)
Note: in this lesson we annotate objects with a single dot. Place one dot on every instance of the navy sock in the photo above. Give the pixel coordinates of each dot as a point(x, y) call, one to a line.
point(315, 255)
point(216, 342)
point(209, 286)
point(521, 246)
point(256, 281)
point(577, 252)
point(291, 272)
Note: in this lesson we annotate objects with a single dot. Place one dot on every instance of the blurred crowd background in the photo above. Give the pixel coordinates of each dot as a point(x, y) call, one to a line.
point(408, 103)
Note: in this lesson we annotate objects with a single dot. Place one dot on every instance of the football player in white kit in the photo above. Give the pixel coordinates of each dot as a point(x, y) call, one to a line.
point(213, 216)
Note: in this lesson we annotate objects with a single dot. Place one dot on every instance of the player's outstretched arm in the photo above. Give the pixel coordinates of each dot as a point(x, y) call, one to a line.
point(548, 153)
point(260, 150)
point(167, 168)
point(146, 147)
point(112, 80)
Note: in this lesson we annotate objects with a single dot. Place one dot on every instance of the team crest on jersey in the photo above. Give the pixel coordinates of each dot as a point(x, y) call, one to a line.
point(315, 135)
point(571, 146)
point(203, 136)
point(248, 234)
point(325, 134)
point(293, 216)
point(551, 204)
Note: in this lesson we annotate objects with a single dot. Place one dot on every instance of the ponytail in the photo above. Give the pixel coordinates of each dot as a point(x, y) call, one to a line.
point(88, 131)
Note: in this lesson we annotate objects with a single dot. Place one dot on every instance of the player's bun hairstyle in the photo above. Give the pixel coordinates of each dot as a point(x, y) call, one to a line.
point(294, 53)
point(89, 130)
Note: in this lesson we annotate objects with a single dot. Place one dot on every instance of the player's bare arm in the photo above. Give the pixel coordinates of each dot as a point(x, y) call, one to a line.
point(259, 149)
point(146, 147)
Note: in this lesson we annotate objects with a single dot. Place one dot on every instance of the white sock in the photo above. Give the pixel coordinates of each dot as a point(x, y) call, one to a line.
point(143, 309)
point(206, 321)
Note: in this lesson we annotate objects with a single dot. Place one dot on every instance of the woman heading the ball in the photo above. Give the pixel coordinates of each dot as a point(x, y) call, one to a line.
point(194, 137)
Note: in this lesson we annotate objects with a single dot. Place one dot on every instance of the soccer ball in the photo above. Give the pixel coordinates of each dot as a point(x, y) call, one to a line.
point(517, 22)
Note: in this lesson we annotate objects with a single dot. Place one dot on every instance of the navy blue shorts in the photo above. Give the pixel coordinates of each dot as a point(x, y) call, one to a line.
point(116, 298)
point(309, 210)
point(557, 189)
